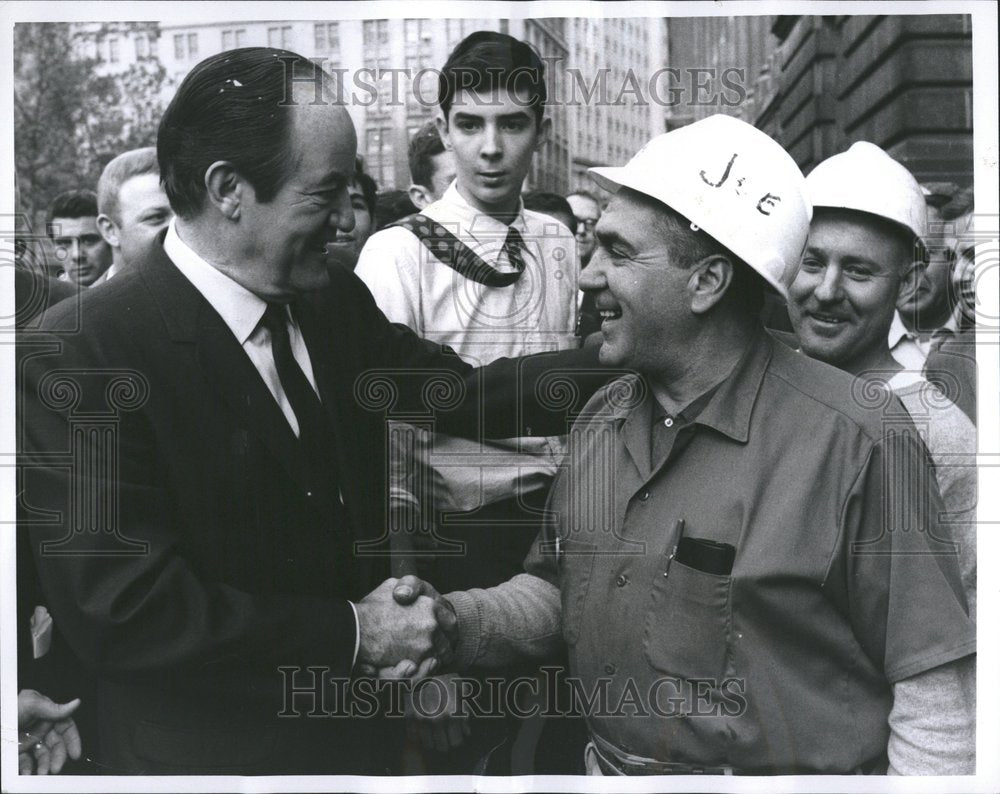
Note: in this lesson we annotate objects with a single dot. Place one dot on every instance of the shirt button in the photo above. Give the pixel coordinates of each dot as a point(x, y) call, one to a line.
point(668, 422)
point(309, 493)
point(644, 495)
point(622, 580)
point(610, 669)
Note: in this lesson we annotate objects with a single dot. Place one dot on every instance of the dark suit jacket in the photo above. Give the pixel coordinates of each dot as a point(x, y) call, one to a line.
point(34, 293)
point(183, 547)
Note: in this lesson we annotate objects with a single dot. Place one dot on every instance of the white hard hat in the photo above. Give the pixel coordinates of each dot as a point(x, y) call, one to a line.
point(733, 181)
point(866, 179)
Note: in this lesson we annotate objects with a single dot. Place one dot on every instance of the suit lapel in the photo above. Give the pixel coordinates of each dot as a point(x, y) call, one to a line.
point(330, 383)
point(189, 318)
point(359, 477)
point(227, 367)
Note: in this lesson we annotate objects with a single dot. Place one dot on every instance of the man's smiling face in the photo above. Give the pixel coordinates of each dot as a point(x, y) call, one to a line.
point(288, 235)
point(844, 294)
point(641, 290)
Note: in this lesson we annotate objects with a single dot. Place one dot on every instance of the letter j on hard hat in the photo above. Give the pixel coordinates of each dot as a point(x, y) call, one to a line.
point(734, 182)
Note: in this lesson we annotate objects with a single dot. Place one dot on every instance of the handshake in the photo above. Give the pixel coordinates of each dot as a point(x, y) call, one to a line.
point(406, 629)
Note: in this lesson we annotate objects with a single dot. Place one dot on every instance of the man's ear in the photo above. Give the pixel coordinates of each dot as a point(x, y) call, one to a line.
point(420, 196)
point(710, 279)
point(108, 230)
point(226, 189)
point(908, 283)
point(442, 127)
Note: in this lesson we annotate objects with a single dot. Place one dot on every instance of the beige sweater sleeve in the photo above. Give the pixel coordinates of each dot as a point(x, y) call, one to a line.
point(932, 725)
point(516, 620)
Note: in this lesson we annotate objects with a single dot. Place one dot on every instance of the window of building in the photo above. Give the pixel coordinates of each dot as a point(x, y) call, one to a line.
point(378, 160)
point(418, 61)
point(233, 38)
point(179, 47)
point(375, 32)
point(113, 50)
point(280, 37)
point(383, 81)
point(327, 37)
point(141, 46)
point(192, 42)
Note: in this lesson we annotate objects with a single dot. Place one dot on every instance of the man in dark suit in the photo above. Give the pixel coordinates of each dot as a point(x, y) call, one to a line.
point(203, 461)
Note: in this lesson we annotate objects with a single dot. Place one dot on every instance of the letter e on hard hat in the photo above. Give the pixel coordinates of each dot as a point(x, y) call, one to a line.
point(734, 182)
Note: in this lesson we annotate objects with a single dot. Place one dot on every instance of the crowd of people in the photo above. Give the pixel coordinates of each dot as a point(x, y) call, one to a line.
point(701, 439)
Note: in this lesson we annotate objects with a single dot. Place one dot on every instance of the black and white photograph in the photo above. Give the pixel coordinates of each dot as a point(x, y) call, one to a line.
point(495, 396)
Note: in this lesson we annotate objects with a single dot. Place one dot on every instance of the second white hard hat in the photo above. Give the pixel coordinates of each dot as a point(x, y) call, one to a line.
point(733, 181)
point(866, 179)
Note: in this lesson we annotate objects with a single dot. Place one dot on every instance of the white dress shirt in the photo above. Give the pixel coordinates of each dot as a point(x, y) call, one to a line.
point(904, 347)
point(910, 349)
point(535, 314)
point(242, 311)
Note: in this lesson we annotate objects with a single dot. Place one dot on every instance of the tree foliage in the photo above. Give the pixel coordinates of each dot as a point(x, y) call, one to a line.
point(72, 112)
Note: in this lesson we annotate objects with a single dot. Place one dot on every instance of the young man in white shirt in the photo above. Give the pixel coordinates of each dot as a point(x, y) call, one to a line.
point(478, 272)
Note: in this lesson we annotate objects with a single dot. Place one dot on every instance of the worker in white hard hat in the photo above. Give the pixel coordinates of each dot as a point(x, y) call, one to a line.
point(865, 179)
point(861, 198)
point(865, 237)
point(717, 558)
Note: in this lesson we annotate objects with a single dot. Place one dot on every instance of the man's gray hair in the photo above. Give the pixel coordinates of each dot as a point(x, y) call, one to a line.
point(124, 167)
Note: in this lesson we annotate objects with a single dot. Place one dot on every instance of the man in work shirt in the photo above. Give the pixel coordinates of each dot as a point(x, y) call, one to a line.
point(733, 556)
point(866, 241)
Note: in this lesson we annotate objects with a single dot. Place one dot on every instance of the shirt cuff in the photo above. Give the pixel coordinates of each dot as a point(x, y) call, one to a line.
point(357, 633)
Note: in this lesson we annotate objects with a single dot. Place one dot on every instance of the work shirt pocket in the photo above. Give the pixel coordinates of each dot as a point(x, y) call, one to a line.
point(687, 627)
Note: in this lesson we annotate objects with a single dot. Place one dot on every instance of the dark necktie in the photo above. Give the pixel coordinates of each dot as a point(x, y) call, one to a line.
point(301, 396)
point(513, 246)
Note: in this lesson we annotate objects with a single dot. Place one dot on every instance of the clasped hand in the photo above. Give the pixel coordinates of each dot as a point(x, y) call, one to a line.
point(406, 628)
